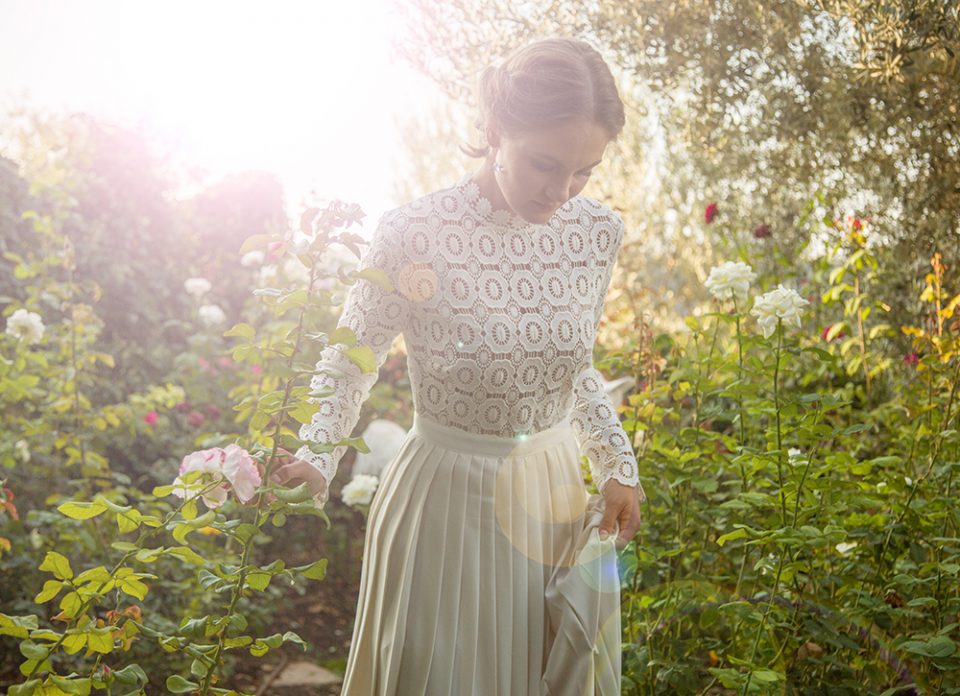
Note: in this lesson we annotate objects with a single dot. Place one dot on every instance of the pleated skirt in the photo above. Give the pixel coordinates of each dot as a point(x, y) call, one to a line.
point(483, 572)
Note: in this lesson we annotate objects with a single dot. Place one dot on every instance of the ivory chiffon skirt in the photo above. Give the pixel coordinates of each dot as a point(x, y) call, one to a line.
point(484, 574)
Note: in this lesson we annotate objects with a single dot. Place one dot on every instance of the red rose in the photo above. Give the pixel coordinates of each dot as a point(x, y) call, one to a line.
point(150, 418)
point(195, 419)
point(710, 212)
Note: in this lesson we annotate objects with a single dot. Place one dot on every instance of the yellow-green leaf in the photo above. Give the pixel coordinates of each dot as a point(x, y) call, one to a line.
point(133, 586)
point(243, 330)
point(82, 511)
point(57, 564)
point(100, 641)
point(128, 521)
point(50, 590)
point(74, 642)
point(363, 357)
point(71, 604)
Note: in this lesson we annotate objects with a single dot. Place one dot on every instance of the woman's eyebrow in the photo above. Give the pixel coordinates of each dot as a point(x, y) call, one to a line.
point(554, 160)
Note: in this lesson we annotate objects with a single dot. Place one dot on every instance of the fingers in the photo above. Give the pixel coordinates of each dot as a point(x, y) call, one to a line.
point(610, 514)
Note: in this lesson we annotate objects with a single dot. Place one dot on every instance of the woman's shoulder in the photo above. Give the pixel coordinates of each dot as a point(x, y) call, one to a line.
point(596, 211)
point(448, 203)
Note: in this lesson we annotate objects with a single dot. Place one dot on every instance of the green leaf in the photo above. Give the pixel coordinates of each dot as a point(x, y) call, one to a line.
point(730, 536)
point(255, 241)
point(72, 685)
point(344, 335)
point(71, 604)
point(293, 495)
point(100, 640)
point(243, 330)
point(134, 587)
point(363, 357)
point(131, 674)
point(74, 642)
point(51, 588)
point(97, 574)
point(185, 553)
point(57, 564)
point(33, 651)
point(82, 511)
point(258, 580)
point(28, 688)
point(766, 676)
point(314, 571)
point(128, 521)
point(375, 275)
point(178, 685)
point(17, 626)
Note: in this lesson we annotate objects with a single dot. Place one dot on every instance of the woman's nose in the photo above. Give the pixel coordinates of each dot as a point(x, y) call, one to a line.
point(558, 192)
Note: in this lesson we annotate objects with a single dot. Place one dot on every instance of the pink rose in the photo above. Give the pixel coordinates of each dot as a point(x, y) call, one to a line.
point(256, 369)
point(232, 467)
point(225, 361)
point(151, 418)
point(210, 463)
point(241, 471)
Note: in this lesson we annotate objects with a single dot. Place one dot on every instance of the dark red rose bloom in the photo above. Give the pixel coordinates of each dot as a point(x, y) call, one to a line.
point(761, 231)
point(213, 410)
point(195, 419)
point(911, 359)
point(710, 212)
point(826, 330)
point(183, 407)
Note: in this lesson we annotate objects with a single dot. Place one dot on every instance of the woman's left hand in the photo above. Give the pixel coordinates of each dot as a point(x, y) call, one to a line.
point(621, 505)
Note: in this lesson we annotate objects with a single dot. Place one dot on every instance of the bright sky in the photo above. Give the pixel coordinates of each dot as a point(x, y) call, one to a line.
point(308, 90)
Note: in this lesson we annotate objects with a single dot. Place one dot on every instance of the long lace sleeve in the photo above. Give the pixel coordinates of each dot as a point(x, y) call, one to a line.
point(594, 418)
point(375, 317)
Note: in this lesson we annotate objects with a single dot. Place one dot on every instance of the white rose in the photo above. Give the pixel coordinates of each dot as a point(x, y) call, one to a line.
point(845, 547)
point(252, 258)
point(22, 449)
point(197, 286)
point(360, 490)
point(25, 325)
point(783, 304)
point(211, 315)
point(730, 278)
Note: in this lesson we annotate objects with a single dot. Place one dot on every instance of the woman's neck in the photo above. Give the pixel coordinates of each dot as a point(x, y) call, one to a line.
point(489, 188)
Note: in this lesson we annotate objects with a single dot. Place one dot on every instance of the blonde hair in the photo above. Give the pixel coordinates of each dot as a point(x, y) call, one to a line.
point(546, 82)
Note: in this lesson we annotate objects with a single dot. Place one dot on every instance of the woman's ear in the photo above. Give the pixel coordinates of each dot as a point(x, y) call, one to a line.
point(493, 135)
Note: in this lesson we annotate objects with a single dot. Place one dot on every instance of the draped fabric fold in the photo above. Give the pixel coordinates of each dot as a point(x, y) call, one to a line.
point(483, 572)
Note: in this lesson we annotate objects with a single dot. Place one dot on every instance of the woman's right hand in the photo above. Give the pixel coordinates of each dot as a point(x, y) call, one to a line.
point(291, 472)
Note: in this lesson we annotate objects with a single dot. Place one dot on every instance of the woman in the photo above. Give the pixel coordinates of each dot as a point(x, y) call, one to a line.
point(484, 572)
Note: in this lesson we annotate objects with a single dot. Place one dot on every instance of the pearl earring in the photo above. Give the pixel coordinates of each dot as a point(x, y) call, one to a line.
point(497, 167)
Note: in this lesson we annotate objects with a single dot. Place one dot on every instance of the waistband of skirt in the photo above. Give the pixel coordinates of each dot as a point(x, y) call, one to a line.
point(490, 445)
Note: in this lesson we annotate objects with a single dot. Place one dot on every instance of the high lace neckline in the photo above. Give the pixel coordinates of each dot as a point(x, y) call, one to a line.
point(481, 205)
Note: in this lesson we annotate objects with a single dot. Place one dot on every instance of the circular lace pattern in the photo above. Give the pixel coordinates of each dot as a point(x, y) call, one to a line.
point(499, 317)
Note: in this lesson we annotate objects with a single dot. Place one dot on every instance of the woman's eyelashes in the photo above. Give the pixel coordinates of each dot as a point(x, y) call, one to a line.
point(547, 168)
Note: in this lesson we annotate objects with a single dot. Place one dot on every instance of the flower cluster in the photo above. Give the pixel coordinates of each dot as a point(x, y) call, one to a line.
point(221, 470)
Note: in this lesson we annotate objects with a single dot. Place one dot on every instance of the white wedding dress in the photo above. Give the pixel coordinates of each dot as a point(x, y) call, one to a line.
point(483, 572)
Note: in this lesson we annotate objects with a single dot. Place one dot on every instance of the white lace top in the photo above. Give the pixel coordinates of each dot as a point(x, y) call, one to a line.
point(499, 317)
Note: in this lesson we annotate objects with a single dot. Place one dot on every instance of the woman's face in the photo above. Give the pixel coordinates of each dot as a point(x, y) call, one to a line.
point(544, 169)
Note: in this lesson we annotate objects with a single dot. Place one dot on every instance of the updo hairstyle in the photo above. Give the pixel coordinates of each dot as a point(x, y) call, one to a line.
point(546, 82)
